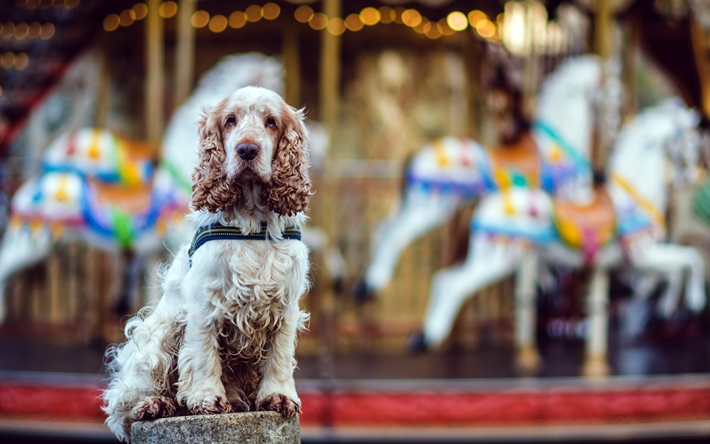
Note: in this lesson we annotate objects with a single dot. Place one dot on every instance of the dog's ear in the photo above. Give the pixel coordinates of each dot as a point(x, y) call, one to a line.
point(289, 190)
point(211, 189)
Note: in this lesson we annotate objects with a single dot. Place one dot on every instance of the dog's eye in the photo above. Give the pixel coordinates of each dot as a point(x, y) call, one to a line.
point(231, 121)
point(270, 122)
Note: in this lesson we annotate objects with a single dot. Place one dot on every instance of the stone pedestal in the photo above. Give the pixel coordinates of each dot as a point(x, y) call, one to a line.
point(242, 428)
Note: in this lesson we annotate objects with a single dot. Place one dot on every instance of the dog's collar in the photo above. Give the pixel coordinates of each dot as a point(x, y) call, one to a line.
point(223, 232)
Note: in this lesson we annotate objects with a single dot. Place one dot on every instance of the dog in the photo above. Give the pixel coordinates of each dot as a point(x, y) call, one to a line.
point(222, 337)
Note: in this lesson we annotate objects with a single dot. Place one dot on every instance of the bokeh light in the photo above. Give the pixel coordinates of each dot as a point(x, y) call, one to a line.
point(370, 16)
point(237, 19)
point(304, 14)
point(167, 9)
point(47, 31)
point(34, 30)
point(200, 19)
point(336, 26)
point(411, 18)
point(111, 22)
point(271, 11)
point(445, 28)
point(141, 10)
point(253, 13)
point(21, 61)
point(218, 23)
point(353, 22)
point(319, 21)
point(474, 17)
point(21, 31)
point(127, 17)
point(457, 21)
point(386, 14)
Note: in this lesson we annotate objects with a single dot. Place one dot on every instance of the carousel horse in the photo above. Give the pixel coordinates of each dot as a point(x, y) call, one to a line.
point(444, 175)
point(104, 190)
point(623, 225)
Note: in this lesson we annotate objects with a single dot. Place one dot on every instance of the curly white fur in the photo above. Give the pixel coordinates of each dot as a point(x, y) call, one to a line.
point(223, 336)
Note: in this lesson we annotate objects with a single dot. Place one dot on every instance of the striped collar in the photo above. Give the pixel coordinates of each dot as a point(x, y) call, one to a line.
point(222, 232)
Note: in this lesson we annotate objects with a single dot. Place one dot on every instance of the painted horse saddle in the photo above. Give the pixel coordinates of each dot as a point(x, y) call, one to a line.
point(589, 226)
point(520, 158)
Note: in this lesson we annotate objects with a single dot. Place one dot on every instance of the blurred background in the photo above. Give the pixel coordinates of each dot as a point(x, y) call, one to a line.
point(98, 101)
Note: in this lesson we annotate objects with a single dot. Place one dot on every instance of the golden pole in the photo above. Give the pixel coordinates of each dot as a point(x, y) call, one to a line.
point(156, 74)
point(292, 61)
point(184, 52)
point(330, 69)
point(602, 29)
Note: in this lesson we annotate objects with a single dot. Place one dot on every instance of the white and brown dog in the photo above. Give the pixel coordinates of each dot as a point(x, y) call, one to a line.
point(222, 337)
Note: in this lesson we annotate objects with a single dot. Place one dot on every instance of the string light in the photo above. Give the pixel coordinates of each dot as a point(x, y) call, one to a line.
point(218, 23)
point(336, 26)
point(474, 17)
point(21, 61)
point(304, 14)
point(457, 21)
point(34, 30)
point(47, 31)
point(167, 9)
point(141, 10)
point(8, 30)
point(353, 22)
point(71, 4)
point(7, 60)
point(411, 18)
point(21, 31)
point(370, 16)
point(200, 19)
point(253, 13)
point(319, 21)
point(237, 19)
point(386, 14)
point(111, 22)
point(271, 11)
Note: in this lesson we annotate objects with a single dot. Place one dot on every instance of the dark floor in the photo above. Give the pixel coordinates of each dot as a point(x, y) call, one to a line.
point(561, 358)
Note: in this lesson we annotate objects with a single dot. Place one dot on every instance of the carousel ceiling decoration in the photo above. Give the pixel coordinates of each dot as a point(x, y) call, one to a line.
point(456, 21)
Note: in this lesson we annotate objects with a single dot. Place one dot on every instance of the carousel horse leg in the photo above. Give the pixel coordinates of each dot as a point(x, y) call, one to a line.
point(486, 264)
point(20, 249)
point(671, 294)
point(527, 356)
point(415, 218)
point(672, 258)
point(595, 361)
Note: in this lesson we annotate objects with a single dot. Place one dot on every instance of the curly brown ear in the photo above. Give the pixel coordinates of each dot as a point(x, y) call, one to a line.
point(211, 190)
point(290, 188)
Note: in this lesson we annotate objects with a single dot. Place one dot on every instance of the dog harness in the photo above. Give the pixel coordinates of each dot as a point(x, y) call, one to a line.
point(222, 232)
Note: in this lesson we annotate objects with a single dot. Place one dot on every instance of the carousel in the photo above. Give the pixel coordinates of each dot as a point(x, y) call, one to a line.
point(510, 236)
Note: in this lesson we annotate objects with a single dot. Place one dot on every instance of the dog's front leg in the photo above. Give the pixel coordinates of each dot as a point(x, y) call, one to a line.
point(200, 385)
point(277, 391)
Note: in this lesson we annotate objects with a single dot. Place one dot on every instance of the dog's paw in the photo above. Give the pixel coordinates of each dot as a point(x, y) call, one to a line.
point(282, 404)
point(212, 405)
point(153, 408)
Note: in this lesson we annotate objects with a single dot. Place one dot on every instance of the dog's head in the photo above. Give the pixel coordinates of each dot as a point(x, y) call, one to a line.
point(252, 136)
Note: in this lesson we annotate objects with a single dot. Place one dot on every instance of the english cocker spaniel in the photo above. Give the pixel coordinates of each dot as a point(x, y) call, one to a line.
point(223, 335)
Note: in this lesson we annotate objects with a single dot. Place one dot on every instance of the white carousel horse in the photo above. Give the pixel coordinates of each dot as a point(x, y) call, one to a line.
point(101, 189)
point(623, 226)
point(452, 171)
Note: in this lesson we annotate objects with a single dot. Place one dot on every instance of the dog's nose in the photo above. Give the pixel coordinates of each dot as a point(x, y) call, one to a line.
point(247, 151)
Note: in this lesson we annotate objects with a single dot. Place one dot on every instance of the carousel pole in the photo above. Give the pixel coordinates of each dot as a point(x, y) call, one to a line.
point(330, 70)
point(155, 76)
point(184, 53)
point(602, 28)
point(329, 104)
point(292, 61)
point(595, 361)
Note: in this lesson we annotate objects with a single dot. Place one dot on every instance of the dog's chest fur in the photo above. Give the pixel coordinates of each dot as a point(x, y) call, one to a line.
point(258, 282)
